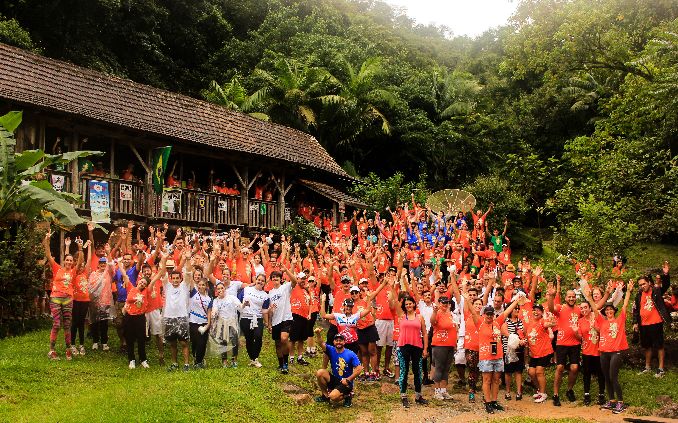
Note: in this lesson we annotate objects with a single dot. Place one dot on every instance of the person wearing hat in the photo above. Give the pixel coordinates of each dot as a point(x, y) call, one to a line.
point(384, 322)
point(490, 351)
point(541, 350)
point(367, 331)
point(339, 293)
point(345, 367)
point(346, 321)
point(611, 344)
point(281, 319)
point(443, 341)
point(300, 303)
point(100, 302)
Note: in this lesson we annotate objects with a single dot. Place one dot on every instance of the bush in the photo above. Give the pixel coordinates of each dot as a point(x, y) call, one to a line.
point(508, 203)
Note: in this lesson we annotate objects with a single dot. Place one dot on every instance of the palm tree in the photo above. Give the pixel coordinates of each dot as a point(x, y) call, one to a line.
point(454, 92)
point(291, 90)
point(233, 95)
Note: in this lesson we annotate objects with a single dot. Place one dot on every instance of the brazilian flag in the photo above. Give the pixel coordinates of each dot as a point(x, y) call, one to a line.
point(160, 160)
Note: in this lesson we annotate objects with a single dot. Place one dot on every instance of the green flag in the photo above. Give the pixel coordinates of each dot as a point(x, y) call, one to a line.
point(160, 159)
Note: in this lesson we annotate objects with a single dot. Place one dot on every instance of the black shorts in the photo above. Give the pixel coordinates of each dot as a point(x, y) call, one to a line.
point(276, 330)
point(568, 354)
point(335, 383)
point(331, 331)
point(299, 331)
point(368, 335)
point(652, 336)
point(516, 366)
point(541, 361)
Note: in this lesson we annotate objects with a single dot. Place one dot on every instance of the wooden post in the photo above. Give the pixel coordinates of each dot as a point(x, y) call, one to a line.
point(335, 213)
point(75, 182)
point(245, 184)
point(41, 134)
point(112, 159)
point(148, 187)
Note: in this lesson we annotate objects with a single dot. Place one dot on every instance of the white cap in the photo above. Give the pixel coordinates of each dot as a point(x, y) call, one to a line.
point(301, 275)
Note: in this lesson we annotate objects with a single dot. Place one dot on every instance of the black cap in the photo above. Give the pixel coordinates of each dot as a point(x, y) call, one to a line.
point(392, 269)
point(444, 300)
point(348, 302)
point(488, 310)
point(538, 307)
point(339, 336)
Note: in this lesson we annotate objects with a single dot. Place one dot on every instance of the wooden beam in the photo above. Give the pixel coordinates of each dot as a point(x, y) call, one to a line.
point(143, 164)
point(111, 164)
point(243, 184)
point(74, 165)
point(288, 187)
point(244, 212)
point(253, 180)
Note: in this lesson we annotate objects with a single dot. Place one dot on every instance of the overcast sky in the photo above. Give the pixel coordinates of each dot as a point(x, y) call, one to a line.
point(463, 17)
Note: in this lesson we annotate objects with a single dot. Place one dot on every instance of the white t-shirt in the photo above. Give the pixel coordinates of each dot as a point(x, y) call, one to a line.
point(199, 306)
point(281, 298)
point(176, 300)
point(233, 287)
point(227, 307)
point(426, 312)
point(257, 300)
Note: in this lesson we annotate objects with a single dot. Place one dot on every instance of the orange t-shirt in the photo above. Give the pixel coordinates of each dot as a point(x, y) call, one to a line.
point(300, 302)
point(383, 310)
point(396, 326)
point(315, 299)
point(367, 320)
point(612, 333)
point(488, 334)
point(444, 331)
point(471, 334)
point(648, 312)
point(538, 339)
point(568, 319)
point(80, 289)
point(589, 337)
point(155, 298)
point(62, 281)
point(339, 297)
point(137, 301)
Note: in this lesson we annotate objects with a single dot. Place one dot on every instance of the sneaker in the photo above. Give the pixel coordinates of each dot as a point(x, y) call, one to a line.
point(556, 401)
point(507, 396)
point(256, 363)
point(144, 364)
point(438, 396)
point(53, 355)
point(74, 350)
point(132, 364)
point(570, 395)
point(446, 396)
point(322, 398)
point(199, 366)
point(105, 347)
point(302, 361)
point(405, 401)
point(587, 399)
point(537, 395)
point(471, 397)
point(95, 346)
point(541, 398)
point(519, 397)
point(660, 373)
point(81, 351)
point(421, 401)
point(234, 365)
point(284, 369)
point(609, 405)
point(187, 368)
point(497, 406)
point(388, 373)
point(601, 399)
point(371, 377)
point(377, 376)
point(619, 407)
point(645, 371)
point(489, 408)
point(173, 367)
point(348, 401)
point(69, 354)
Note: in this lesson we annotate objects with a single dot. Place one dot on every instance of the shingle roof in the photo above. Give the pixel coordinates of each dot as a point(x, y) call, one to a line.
point(333, 193)
point(32, 79)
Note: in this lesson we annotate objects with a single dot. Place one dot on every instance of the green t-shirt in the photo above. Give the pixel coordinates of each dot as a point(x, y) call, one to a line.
point(497, 242)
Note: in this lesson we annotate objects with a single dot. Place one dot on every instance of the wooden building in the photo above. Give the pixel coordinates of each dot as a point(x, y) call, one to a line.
point(275, 170)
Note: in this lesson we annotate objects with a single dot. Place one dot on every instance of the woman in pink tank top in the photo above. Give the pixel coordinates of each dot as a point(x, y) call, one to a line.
point(412, 346)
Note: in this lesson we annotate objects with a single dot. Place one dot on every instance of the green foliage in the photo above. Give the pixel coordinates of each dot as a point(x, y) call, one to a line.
point(299, 231)
point(12, 33)
point(387, 193)
point(508, 203)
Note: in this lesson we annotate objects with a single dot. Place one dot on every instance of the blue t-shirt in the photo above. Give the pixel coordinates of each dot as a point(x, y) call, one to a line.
point(132, 274)
point(342, 363)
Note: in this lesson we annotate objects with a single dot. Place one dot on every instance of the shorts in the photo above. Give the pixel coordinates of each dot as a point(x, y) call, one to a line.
point(175, 328)
point(299, 330)
point(385, 332)
point(652, 336)
point(368, 335)
point(486, 366)
point(335, 383)
point(567, 355)
point(154, 324)
point(117, 320)
point(541, 361)
point(460, 353)
point(516, 366)
point(281, 327)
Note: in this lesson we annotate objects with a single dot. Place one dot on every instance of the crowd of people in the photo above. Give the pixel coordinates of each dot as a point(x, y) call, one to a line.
point(429, 293)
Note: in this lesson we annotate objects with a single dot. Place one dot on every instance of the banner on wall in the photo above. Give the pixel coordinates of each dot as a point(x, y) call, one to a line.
point(100, 201)
point(223, 205)
point(58, 182)
point(171, 201)
point(126, 192)
point(288, 214)
point(202, 201)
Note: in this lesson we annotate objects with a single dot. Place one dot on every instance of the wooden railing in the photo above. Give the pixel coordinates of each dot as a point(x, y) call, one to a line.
point(134, 198)
point(263, 214)
point(201, 207)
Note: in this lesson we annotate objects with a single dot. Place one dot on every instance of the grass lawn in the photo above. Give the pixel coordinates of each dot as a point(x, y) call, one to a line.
point(100, 387)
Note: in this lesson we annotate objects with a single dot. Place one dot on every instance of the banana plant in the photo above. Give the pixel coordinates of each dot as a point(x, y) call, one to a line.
point(25, 194)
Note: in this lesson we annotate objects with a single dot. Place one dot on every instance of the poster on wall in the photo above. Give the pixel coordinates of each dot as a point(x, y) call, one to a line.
point(223, 207)
point(58, 182)
point(202, 200)
point(126, 192)
point(288, 214)
point(100, 201)
point(171, 201)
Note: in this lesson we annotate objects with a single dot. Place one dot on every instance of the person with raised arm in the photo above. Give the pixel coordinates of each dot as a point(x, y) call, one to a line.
point(80, 297)
point(280, 321)
point(175, 311)
point(345, 366)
